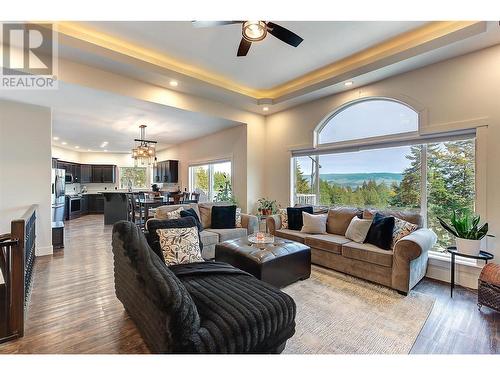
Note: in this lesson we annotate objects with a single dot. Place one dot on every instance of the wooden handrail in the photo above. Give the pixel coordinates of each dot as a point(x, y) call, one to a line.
point(17, 258)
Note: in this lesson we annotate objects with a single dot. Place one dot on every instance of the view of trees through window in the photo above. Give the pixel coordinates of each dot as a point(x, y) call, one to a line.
point(132, 177)
point(392, 178)
point(212, 181)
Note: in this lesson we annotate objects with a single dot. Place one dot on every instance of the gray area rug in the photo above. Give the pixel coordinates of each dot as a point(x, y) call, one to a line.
point(340, 314)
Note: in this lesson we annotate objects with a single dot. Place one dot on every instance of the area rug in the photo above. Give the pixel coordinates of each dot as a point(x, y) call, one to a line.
point(340, 314)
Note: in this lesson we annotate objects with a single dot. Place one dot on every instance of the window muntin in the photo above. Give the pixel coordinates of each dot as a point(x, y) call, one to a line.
point(211, 180)
point(133, 177)
point(366, 119)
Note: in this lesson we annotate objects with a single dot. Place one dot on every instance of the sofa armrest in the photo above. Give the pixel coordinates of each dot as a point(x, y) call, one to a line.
point(409, 263)
point(251, 222)
point(273, 223)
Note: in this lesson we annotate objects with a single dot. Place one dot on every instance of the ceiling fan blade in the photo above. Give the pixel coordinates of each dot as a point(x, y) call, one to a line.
point(199, 24)
point(283, 34)
point(244, 47)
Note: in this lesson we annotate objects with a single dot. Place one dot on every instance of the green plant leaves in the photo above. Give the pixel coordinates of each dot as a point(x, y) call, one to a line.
point(465, 226)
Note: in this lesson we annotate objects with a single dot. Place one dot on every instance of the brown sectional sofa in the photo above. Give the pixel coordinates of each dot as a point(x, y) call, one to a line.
point(211, 237)
point(401, 268)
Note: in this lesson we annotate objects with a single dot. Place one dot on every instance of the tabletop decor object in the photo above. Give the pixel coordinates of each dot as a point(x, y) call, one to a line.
point(468, 234)
point(261, 238)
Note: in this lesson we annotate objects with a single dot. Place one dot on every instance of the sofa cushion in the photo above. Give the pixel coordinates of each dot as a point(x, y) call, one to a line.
point(313, 224)
point(161, 211)
point(180, 245)
point(327, 242)
point(358, 229)
point(223, 217)
point(367, 253)
point(205, 210)
point(293, 235)
point(228, 234)
point(294, 214)
point(339, 219)
point(192, 212)
point(412, 217)
point(380, 233)
point(209, 238)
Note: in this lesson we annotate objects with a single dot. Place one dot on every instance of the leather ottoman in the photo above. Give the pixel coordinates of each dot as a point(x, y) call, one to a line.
point(278, 264)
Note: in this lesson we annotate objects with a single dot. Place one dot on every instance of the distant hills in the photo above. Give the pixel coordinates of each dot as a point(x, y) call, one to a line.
point(356, 179)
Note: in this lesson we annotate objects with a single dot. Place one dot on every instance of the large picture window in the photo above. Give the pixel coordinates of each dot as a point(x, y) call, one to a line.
point(211, 180)
point(133, 177)
point(433, 177)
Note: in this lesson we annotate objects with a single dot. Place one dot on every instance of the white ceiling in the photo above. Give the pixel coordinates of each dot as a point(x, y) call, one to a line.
point(270, 62)
point(86, 118)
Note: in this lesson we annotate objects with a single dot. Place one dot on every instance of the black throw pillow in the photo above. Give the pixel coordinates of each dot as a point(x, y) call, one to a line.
point(380, 232)
point(294, 215)
point(223, 217)
point(192, 213)
point(154, 225)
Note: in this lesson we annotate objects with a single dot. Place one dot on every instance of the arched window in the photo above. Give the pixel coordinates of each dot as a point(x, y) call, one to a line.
point(367, 119)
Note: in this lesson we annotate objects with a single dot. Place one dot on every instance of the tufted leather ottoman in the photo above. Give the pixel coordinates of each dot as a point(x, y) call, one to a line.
point(278, 264)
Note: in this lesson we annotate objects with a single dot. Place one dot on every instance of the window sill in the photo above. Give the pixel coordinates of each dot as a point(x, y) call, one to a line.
point(445, 257)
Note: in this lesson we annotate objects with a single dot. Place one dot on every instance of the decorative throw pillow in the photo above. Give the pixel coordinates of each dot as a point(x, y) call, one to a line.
point(294, 214)
point(283, 217)
point(380, 232)
point(191, 212)
point(223, 217)
point(156, 224)
point(175, 214)
point(313, 224)
point(180, 245)
point(238, 218)
point(358, 229)
point(402, 228)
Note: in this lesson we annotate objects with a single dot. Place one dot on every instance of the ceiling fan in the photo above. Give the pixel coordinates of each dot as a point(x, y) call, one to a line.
point(255, 31)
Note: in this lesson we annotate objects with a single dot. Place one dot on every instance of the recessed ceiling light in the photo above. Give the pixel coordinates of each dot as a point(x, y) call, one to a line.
point(89, 150)
point(174, 83)
point(348, 83)
point(104, 144)
point(77, 146)
point(55, 138)
point(265, 109)
point(63, 143)
point(105, 150)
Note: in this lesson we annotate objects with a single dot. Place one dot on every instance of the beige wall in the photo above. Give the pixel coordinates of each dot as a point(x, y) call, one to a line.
point(227, 144)
point(459, 93)
point(25, 167)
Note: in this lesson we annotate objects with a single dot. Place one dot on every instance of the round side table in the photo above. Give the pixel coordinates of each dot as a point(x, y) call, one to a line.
point(483, 255)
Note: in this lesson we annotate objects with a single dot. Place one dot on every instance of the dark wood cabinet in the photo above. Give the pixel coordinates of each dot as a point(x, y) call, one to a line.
point(166, 171)
point(86, 173)
point(103, 174)
point(95, 203)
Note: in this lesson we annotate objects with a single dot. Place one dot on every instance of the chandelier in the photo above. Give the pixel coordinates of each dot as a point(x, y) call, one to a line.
point(144, 152)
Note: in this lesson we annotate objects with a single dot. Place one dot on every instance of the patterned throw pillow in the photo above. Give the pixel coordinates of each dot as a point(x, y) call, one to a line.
point(284, 218)
point(238, 217)
point(180, 245)
point(175, 214)
point(402, 228)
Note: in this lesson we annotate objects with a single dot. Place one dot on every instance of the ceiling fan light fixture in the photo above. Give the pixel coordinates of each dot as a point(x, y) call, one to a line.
point(254, 31)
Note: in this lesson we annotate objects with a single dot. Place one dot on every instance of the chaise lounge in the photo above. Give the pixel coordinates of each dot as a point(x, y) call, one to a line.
point(204, 307)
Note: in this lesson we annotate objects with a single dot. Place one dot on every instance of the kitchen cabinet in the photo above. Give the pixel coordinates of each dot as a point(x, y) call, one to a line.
point(85, 205)
point(166, 171)
point(95, 203)
point(103, 174)
point(86, 173)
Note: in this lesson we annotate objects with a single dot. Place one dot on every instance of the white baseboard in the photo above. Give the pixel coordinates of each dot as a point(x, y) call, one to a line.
point(465, 275)
point(44, 250)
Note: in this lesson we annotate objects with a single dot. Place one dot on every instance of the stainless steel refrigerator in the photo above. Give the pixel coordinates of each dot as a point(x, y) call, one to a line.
point(58, 194)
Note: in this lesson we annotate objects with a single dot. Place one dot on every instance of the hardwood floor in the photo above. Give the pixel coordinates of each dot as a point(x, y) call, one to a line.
point(73, 308)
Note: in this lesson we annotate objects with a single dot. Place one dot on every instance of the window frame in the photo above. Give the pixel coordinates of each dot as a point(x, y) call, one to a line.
point(210, 164)
point(147, 179)
point(390, 137)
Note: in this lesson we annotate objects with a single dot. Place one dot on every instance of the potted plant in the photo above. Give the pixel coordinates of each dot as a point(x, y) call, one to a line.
point(468, 234)
point(267, 207)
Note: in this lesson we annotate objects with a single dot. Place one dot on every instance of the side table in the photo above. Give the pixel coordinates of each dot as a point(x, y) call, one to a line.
point(483, 255)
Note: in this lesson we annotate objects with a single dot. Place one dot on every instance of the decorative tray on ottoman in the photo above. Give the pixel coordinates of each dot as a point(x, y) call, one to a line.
point(261, 238)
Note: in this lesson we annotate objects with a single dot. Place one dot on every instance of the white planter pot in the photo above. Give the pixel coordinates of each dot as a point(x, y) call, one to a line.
point(469, 247)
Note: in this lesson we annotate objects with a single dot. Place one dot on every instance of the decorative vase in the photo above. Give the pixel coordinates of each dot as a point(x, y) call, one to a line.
point(266, 211)
point(469, 247)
